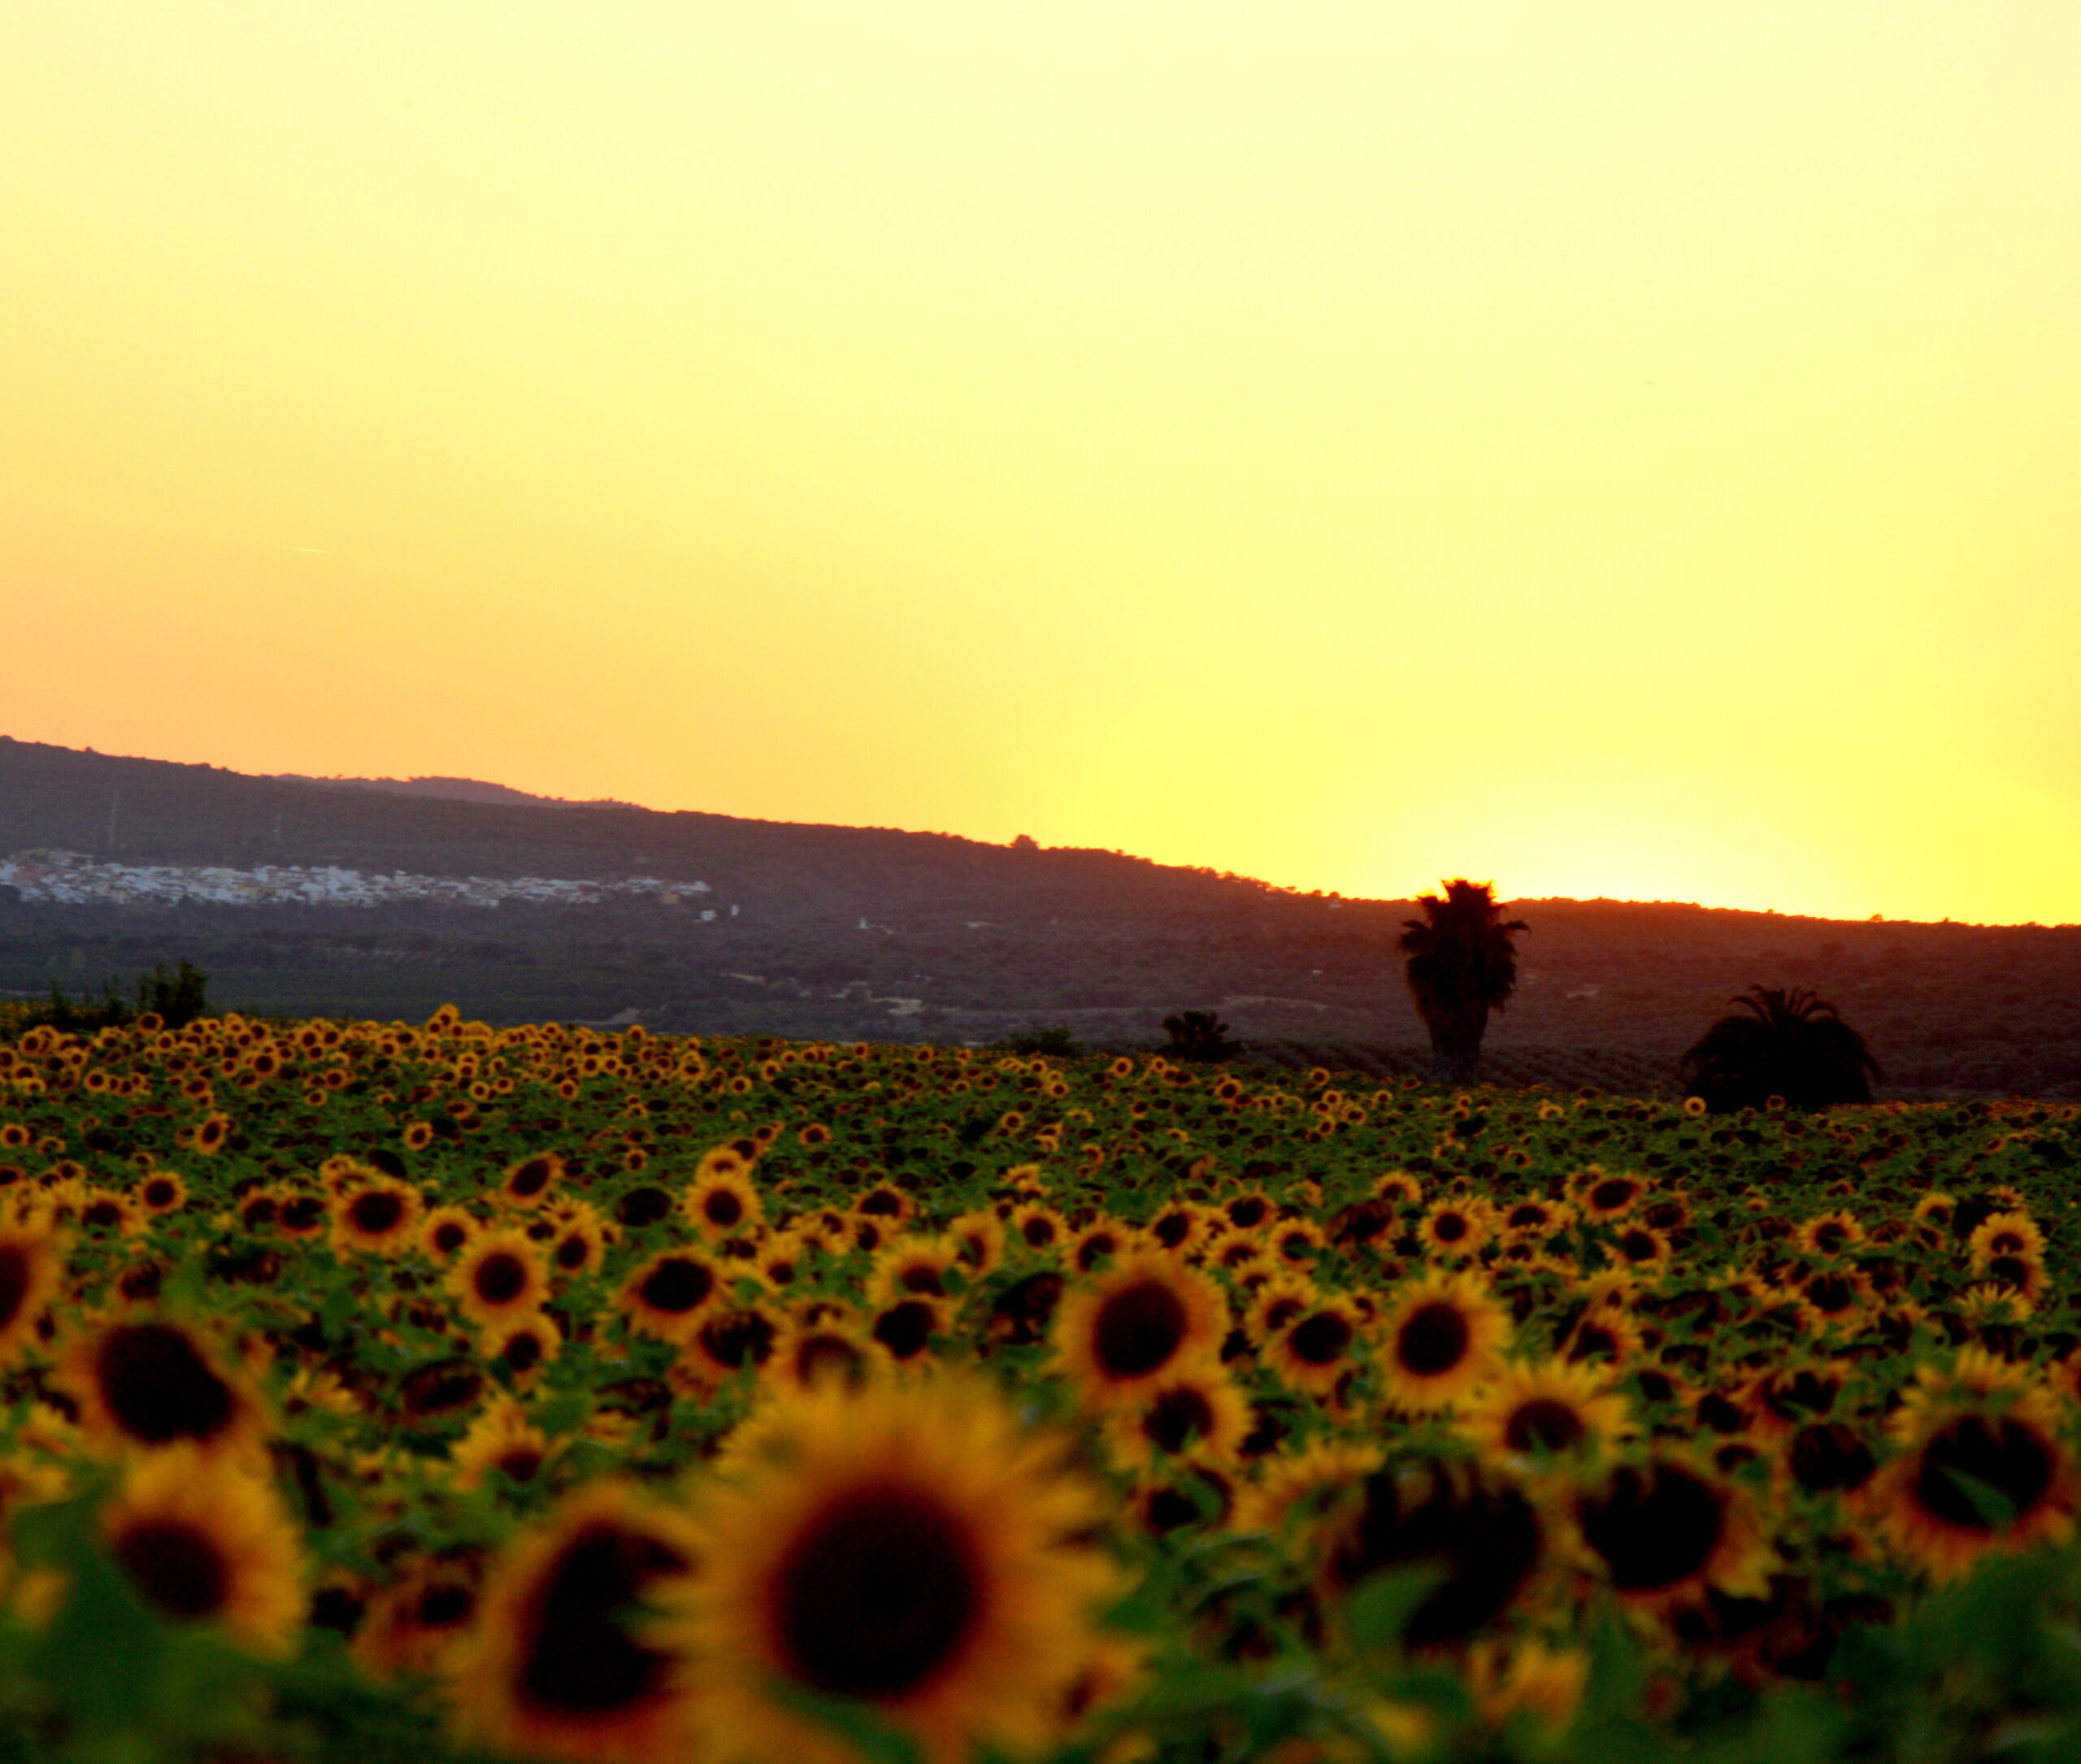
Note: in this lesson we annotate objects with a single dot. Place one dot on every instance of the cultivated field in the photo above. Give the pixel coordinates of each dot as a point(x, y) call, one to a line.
point(377, 1391)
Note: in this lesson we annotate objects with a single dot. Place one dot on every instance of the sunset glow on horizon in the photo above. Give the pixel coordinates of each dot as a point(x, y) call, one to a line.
point(1620, 451)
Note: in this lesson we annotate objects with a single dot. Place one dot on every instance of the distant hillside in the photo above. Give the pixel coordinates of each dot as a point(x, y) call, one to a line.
point(854, 933)
point(152, 811)
point(449, 789)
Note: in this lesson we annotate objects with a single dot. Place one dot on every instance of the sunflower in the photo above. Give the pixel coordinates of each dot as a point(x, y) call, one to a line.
point(1605, 1331)
point(1605, 1197)
point(1474, 1525)
point(889, 1207)
point(527, 1181)
point(722, 1201)
point(163, 1191)
point(1668, 1535)
point(1831, 1299)
point(723, 1344)
point(523, 1345)
point(1118, 1336)
point(1830, 1235)
point(1981, 1467)
point(979, 1239)
point(810, 1350)
point(502, 1438)
point(1301, 1489)
point(102, 1211)
point(1280, 1300)
point(445, 1230)
point(1454, 1228)
point(1527, 1679)
point(1179, 1227)
point(562, 1663)
point(1527, 1221)
point(1038, 1228)
point(1320, 1347)
point(1101, 1242)
point(1442, 1336)
point(414, 1625)
point(149, 1383)
point(577, 1242)
point(418, 1135)
point(1641, 1248)
point(203, 1540)
point(906, 1327)
point(910, 1548)
point(912, 1268)
point(31, 1262)
point(1550, 1408)
point(1253, 1210)
point(668, 1295)
point(1398, 1188)
point(1194, 1411)
point(381, 1217)
point(2012, 1235)
point(499, 1276)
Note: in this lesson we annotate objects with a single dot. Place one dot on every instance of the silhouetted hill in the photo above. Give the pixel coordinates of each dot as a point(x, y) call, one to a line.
point(856, 933)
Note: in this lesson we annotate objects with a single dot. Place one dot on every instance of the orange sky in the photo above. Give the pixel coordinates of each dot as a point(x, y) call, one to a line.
point(1619, 449)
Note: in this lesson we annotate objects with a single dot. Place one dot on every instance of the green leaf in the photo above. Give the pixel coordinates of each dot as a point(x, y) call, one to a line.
point(1381, 1609)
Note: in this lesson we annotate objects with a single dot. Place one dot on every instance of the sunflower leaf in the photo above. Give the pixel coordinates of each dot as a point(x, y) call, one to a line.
point(1381, 1609)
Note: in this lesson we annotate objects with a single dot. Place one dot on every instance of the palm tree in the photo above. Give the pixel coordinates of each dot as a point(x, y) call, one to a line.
point(1791, 1044)
point(1461, 966)
point(1199, 1034)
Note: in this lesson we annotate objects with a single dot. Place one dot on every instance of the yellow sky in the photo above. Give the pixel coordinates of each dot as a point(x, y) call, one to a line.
point(1617, 449)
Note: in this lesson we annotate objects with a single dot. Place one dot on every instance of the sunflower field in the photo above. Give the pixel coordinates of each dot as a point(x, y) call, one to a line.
point(378, 1392)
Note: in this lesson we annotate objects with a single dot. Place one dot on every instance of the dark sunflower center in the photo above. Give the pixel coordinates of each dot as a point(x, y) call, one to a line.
point(1139, 1328)
point(1609, 1197)
point(158, 1387)
point(1830, 1238)
point(1594, 1341)
point(1171, 1230)
point(531, 1178)
point(571, 1253)
point(520, 1463)
point(1320, 1339)
point(1177, 1418)
point(1249, 1212)
point(449, 1236)
point(882, 1204)
point(1039, 1230)
point(1434, 1339)
point(643, 1206)
point(1654, 1528)
point(2003, 1455)
point(102, 1215)
point(881, 1592)
point(579, 1658)
point(1544, 1424)
point(500, 1278)
point(723, 1208)
point(375, 1212)
point(737, 1337)
point(1830, 1293)
point(302, 1213)
point(1486, 1541)
point(443, 1607)
point(523, 1348)
point(259, 1213)
point(2013, 1272)
point(904, 1328)
point(677, 1286)
point(176, 1568)
point(1449, 1228)
point(158, 1194)
point(1828, 1455)
point(922, 1279)
point(1529, 1214)
point(14, 1281)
